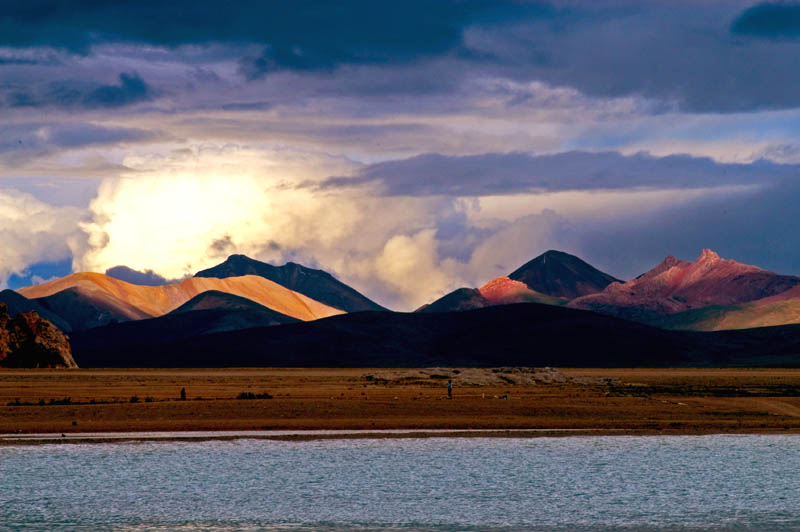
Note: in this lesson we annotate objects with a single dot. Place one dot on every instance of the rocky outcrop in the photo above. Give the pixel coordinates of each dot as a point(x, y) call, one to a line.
point(29, 341)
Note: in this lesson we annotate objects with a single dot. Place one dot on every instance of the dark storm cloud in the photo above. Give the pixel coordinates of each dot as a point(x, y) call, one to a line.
point(305, 34)
point(129, 275)
point(496, 174)
point(696, 56)
point(685, 54)
point(769, 20)
point(131, 89)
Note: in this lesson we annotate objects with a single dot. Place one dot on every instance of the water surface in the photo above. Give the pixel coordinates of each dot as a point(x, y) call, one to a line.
point(567, 483)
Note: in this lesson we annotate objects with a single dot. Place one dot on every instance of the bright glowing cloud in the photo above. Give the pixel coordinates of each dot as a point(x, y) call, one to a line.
point(33, 231)
point(202, 206)
point(410, 264)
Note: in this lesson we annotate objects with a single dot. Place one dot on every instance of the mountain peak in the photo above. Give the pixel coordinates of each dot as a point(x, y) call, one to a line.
point(668, 263)
point(559, 274)
point(708, 256)
point(316, 284)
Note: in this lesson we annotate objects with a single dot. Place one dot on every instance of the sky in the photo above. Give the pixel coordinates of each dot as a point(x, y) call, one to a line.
point(409, 148)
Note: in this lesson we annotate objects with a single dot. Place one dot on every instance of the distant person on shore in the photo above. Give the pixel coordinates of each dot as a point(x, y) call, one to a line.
point(183, 394)
point(449, 389)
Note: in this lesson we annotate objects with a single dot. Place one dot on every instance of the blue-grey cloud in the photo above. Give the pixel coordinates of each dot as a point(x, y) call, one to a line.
point(769, 20)
point(16, 61)
point(495, 174)
point(246, 106)
point(131, 89)
point(56, 191)
point(758, 228)
point(38, 137)
point(129, 275)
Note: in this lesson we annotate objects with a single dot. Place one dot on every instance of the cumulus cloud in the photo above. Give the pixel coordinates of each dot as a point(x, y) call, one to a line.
point(32, 231)
point(188, 210)
point(410, 265)
point(175, 214)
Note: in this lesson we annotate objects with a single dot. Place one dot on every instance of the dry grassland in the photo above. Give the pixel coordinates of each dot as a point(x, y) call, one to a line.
point(684, 401)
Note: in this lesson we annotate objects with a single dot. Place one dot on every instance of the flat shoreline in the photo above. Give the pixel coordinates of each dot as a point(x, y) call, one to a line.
point(16, 440)
point(283, 435)
point(301, 404)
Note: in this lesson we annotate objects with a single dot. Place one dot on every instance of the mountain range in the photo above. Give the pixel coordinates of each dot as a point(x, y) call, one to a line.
point(87, 300)
point(707, 294)
point(246, 312)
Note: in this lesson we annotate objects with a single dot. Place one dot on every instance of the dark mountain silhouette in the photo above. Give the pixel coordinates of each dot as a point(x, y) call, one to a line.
point(559, 274)
point(224, 302)
point(84, 311)
point(17, 303)
point(457, 300)
point(524, 334)
point(120, 341)
point(316, 284)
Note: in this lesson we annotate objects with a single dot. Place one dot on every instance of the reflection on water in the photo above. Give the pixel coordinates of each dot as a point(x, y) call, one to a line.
point(571, 483)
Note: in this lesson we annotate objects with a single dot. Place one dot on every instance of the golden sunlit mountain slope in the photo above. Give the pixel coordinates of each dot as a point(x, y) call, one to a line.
point(138, 302)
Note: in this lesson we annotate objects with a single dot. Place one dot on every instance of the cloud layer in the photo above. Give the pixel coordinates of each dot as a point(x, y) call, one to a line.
point(498, 174)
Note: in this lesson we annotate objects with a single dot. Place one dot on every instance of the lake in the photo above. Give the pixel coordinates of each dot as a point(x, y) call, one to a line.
point(566, 483)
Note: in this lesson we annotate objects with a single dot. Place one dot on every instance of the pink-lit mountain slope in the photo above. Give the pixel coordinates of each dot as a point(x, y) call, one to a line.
point(675, 287)
point(552, 278)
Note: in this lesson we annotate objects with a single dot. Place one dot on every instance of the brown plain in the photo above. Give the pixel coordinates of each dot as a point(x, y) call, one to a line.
point(684, 401)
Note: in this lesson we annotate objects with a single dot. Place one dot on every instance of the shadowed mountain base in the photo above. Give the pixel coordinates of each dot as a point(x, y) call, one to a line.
point(521, 334)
